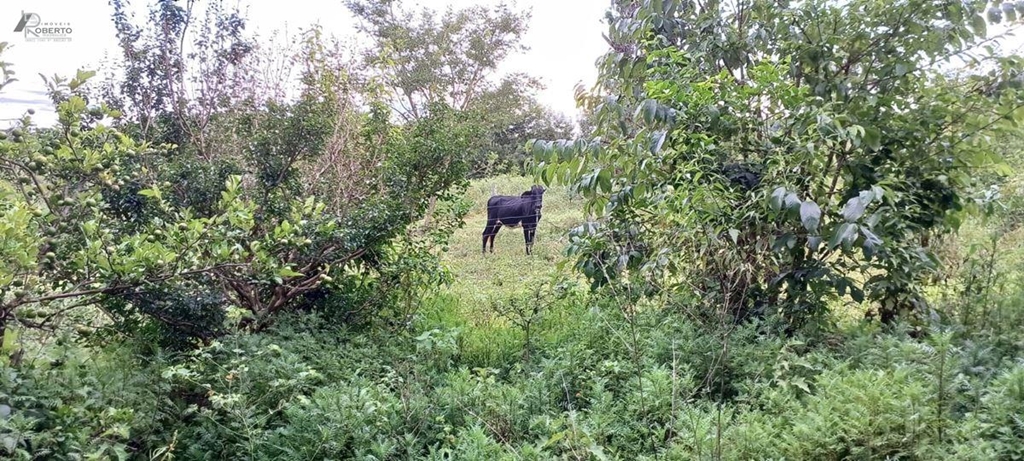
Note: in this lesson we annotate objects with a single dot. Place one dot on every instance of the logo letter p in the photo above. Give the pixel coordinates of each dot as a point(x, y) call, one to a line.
point(25, 18)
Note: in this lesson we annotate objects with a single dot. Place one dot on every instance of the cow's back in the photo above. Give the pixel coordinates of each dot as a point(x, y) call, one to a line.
point(507, 210)
point(501, 202)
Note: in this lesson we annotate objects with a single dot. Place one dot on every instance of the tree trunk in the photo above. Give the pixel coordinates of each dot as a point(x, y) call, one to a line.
point(432, 204)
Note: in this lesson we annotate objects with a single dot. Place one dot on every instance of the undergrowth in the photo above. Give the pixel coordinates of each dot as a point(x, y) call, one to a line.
point(309, 390)
point(540, 368)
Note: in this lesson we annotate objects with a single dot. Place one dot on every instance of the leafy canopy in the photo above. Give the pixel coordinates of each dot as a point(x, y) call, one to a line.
point(89, 216)
point(767, 156)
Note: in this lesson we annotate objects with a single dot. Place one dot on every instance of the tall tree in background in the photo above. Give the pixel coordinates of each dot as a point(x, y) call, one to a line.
point(424, 57)
point(509, 119)
point(181, 67)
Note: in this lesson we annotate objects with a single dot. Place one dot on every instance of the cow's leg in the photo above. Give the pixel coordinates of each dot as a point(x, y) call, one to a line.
point(528, 237)
point(497, 227)
point(489, 230)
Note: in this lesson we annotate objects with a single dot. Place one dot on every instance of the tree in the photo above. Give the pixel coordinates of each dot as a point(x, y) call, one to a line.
point(422, 57)
point(180, 69)
point(6, 72)
point(768, 156)
point(112, 238)
point(509, 120)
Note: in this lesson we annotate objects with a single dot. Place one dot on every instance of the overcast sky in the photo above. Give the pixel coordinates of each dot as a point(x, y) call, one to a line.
point(564, 39)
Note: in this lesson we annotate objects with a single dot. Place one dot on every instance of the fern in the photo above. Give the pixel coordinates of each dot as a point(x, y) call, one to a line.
point(942, 363)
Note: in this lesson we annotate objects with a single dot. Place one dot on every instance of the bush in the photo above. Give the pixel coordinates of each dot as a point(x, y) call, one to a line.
point(75, 404)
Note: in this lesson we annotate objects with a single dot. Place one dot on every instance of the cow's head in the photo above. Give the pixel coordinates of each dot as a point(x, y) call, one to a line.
point(537, 193)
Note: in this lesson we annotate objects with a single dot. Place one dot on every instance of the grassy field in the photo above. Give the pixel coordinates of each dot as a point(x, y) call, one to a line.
point(483, 280)
point(509, 270)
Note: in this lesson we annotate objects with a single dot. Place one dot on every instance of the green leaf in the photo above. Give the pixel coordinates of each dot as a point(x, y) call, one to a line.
point(646, 110)
point(871, 243)
point(845, 234)
point(778, 195)
point(604, 179)
point(854, 209)
point(80, 79)
point(75, 104)
point(555, 438)
point(657, 140)
point(713, 113)
point(792, 201)
point(83, 75)
point(872, 138)
point(538, 149)
point(814, 242)
point(778, 243)
point(856, 293)
point(734, 234)
point(878, 192)
point(979, 26)
point(288, 272)
point(153, 192)
point(874, 219)
point(856, 206)
point(810, 215)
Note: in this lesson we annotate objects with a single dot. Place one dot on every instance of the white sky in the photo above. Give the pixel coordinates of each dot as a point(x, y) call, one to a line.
point(564, 38)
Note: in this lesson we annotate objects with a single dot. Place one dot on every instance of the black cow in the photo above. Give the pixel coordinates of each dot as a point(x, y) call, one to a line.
point(511, 211)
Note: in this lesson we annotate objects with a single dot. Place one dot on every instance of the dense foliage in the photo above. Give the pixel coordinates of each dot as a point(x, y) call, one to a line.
point(767, 157)
point(306, 389)
point(116, 231)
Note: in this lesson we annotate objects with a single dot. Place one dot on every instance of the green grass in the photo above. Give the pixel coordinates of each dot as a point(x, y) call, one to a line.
point(509, 271)
point(488, 340)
